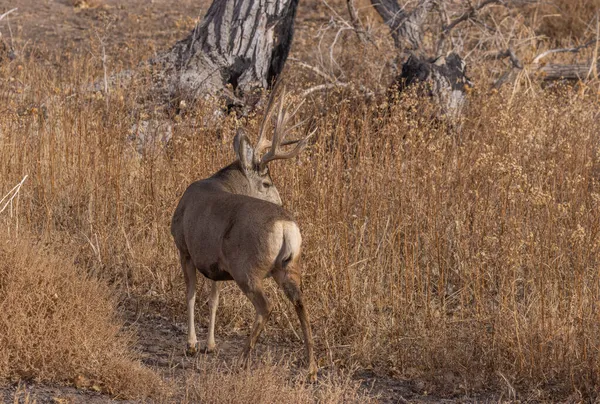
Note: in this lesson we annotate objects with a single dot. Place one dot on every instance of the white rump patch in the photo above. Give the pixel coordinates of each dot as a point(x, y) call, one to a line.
point(285, 240)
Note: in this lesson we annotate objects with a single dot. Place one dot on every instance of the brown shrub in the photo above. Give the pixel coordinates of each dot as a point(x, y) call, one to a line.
point(59, 325)
point(468, 256)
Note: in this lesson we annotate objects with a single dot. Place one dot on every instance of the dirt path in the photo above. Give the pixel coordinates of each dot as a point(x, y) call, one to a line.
point(161, 346)
point(162, 343)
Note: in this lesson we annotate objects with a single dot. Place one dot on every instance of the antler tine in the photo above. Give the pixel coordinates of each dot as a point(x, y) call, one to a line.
point(263, 142)
point(301, 144)
point(276, 131)
point(275, 154)
point(288, 130)
point(282, 130)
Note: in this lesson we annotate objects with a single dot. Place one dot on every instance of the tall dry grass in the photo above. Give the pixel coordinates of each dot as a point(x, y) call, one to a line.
point(567, 19)
point(466, 258)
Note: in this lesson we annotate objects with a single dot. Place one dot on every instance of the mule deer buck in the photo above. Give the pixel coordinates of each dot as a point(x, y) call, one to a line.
point(231, 226)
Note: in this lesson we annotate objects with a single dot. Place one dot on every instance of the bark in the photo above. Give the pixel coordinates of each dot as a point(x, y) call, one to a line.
point(241, 44)
point(406, 28)
point(566, 72)
point(444, 79)
point(356, 21)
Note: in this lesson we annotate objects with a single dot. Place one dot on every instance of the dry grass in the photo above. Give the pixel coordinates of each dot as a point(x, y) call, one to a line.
point(467, 258)
point(568, 19)
point(58, 325)
point(265, 384)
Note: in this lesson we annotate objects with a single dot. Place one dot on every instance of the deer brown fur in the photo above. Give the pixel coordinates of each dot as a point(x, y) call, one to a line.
point(231, 226)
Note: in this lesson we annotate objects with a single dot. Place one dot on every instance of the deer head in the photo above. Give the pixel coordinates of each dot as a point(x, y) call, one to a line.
point(253, 165)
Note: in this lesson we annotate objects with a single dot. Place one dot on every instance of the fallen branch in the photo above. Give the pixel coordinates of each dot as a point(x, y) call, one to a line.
point(548, 72)
point(565, 72)
point(576, 49)
point(571, 72)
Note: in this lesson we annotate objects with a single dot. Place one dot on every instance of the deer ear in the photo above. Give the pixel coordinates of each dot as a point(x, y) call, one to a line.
point(243, 149)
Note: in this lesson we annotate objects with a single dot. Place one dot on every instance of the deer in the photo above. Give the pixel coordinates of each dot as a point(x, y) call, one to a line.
point(232, 226)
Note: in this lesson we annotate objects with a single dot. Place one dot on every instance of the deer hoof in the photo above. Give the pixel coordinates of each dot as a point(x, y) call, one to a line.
point(192, 349)
point(244, 359)
point(208, 349)
point(312, 374)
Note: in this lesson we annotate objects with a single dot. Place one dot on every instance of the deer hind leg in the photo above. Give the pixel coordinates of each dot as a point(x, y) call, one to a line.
point(289, 281)
point(213, 303)
point(263, 309)
point(189, 274)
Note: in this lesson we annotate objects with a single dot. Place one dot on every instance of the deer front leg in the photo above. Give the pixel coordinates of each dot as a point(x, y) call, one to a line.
point(213, 303)
point(189, 274)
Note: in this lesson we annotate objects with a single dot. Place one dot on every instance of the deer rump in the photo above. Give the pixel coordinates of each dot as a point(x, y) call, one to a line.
point(228, 236)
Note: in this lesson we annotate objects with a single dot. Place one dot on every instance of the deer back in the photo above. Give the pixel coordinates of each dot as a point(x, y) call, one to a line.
point(215, 227)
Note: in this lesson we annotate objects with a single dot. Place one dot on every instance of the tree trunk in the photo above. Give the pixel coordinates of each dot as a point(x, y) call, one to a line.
point(444, 78)
point(406, 28)
point(241, 43)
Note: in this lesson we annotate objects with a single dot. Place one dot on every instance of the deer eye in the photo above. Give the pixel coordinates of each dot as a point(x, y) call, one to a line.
point(266, 184)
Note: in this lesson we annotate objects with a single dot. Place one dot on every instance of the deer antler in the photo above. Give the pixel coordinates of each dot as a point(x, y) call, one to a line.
point(281, 131)
point(263, 142)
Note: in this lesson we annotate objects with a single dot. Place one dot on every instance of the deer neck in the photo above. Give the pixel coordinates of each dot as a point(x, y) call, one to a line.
point(232, 179)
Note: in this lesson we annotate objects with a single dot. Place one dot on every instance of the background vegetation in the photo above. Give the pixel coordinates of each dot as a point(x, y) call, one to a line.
point(464, 257)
